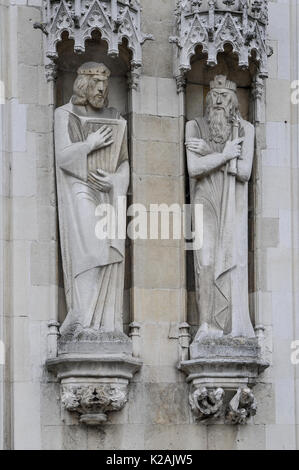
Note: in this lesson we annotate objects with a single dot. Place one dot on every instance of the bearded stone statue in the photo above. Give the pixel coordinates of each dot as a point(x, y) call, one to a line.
point(92, 170)
point(220, 149)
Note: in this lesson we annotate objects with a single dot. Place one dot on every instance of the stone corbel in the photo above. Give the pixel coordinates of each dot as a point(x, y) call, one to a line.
point(211, 404)
point(114, 19)
point(213, 24)
point(221, 373)
point(206, 404)
point(93, 401)
point(94, 376)
point(241, 407)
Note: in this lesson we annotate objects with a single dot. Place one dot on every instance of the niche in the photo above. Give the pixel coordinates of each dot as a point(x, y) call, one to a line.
point(198, 80)
point(67, 64)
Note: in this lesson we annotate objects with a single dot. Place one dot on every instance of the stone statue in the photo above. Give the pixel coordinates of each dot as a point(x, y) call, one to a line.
point(241, 407)
point(206, 404)
point(220, 149)
point(92, 169)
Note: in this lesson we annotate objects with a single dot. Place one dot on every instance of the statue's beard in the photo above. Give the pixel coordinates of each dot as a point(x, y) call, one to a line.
point(219, 121)
point(97, 100)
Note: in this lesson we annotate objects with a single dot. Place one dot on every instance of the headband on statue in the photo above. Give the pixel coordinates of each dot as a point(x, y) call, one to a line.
point(93, 68)
point(220, 81)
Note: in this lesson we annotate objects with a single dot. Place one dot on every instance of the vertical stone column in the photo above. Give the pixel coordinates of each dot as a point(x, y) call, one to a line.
point(157, 178)
point(5, 396)
point(294, 38)
point(33, 239)
point(158, 266)
point(278, 231)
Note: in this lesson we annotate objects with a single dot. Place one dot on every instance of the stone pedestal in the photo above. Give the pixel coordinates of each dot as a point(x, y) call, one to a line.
point(94, 370)
point(221, 373)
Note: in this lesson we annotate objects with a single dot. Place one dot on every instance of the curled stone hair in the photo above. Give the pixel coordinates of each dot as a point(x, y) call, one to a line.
point(80, 88)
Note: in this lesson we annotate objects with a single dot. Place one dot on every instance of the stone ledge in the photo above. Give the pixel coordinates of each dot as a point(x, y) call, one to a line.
point(91, 365)
point(223, 368)
point(225, 357)
point(226, 346)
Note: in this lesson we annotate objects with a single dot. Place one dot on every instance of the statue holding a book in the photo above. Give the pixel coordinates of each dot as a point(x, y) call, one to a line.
point(92, 169)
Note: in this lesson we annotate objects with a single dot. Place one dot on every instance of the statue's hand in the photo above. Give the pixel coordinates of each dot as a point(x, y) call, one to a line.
point(198, 146)
point(99, 139)
point(233, 149)
point(102, 180)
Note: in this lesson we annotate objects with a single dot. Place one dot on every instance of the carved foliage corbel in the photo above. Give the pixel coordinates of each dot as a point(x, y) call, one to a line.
point(208, 405)
point(242, 406)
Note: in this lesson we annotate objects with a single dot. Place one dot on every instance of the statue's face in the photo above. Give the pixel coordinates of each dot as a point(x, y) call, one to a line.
point(219, 394)
point(221, 98)
point(97, 91)
point(221, 105)
point(246, 395)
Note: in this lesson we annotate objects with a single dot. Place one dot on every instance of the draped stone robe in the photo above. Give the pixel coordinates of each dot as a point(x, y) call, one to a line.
point(221, 265)
point(93, 268)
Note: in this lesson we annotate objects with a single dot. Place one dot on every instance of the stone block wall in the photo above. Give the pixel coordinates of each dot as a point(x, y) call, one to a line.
point(157, 415)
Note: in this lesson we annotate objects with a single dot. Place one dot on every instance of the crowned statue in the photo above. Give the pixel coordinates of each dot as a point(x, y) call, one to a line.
point(220, 148)
point(92, 169)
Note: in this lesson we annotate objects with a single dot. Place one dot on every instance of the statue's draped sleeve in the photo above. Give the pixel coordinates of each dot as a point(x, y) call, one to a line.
point(198, 165)
point(81, 250)
point(71, 155)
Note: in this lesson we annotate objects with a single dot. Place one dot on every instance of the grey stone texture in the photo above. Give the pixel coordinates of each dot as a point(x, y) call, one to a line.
point(157, 415)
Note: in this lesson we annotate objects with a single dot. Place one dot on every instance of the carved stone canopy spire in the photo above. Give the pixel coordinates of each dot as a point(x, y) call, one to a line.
point(114, 19)
point(212, 24)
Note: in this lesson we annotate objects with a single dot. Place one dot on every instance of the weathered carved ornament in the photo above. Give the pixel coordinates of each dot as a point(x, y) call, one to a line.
point(206, 404)
point(92, 402)
point(221, 377)
point(93, 384)
point(211, 404)
point(215, 23)
point(114, 19)
point(241, 407)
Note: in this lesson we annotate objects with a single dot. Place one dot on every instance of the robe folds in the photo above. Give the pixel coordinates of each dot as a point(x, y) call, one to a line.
point(93, 268)
point(221, 265)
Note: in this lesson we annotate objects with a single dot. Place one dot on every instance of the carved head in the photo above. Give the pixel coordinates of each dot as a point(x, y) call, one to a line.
point(219, 394)
point(91, 85)
point(246, 396)
point(221, 107)
point(222, 94)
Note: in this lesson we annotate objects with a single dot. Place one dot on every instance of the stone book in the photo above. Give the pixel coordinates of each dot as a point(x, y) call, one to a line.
point(106, 158)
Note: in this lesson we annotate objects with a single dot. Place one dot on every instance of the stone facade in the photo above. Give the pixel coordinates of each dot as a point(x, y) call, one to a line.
point(159, 291)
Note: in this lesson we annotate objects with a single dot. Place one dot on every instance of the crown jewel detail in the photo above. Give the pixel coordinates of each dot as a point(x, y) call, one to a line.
point(93, 68)
point(220, 81)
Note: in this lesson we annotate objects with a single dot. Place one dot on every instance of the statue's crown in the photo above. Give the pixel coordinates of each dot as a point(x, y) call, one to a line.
point(220, 81)
point(93, 68)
